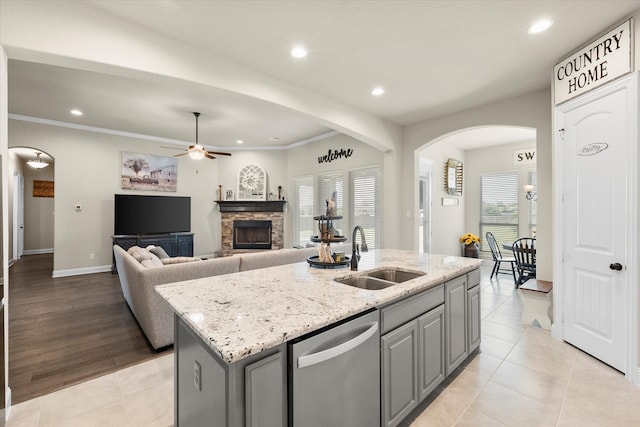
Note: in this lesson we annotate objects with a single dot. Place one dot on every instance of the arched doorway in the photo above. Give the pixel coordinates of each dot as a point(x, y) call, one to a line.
point(441, 218)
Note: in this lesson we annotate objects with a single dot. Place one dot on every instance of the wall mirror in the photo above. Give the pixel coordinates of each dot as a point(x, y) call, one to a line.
point(453, 177)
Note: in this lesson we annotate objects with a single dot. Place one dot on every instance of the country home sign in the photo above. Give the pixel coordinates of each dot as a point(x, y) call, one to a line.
point(599, 62)
point(335, 154)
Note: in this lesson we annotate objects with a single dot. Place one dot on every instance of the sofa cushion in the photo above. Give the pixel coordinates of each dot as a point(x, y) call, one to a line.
point(139, 254)
point(148, 263)
point(158, 251)
point(178, 260)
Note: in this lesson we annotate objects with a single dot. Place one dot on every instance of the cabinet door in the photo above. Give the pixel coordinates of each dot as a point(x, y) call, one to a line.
point(265, 392)
point(431, 368)
point(455, 322)
point(399, 373)
point(200, 398)
point(473, 318)
point(185, 245)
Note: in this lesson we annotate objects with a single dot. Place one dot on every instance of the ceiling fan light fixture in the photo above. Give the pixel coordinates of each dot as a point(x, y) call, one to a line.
point(37, 163)
point(196, 155)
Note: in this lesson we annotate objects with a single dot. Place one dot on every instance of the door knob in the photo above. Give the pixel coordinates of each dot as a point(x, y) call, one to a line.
point(616, 266)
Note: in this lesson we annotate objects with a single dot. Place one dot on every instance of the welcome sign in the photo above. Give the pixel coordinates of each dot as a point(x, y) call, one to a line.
point(600, 62)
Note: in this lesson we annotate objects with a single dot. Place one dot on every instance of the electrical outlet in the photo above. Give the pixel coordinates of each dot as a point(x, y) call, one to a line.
point(197, 375)
point(92, 256)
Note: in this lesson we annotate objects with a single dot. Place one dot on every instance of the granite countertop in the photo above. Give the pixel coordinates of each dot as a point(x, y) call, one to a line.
point(245, 313)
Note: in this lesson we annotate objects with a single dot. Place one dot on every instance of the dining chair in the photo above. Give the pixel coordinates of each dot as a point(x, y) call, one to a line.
point(524, 251)
point(498, 258)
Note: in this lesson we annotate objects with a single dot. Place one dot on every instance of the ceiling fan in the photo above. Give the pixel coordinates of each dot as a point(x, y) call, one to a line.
point(197, 151)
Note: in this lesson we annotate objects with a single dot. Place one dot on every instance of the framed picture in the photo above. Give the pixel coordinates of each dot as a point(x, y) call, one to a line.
point(148, 172)
point(43, 189)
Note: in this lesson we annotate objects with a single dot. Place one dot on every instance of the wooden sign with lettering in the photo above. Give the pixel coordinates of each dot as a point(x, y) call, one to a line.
point(599, 62)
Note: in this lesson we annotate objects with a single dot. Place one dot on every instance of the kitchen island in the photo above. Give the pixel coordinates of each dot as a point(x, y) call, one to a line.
point(244, 321)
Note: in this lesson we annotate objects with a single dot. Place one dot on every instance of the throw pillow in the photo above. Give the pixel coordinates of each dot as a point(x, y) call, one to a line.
point(158, 251)
point(139, 254)
point(155, 260)
point(148, 263)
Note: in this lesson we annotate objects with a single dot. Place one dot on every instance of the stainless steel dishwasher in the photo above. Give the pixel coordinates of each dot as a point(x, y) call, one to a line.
point(334, 377)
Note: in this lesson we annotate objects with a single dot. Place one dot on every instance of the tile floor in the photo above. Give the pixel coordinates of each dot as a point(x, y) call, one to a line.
point(522, 377)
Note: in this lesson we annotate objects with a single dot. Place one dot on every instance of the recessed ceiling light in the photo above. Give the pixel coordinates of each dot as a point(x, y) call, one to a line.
point(377, 91)
point(299, 52)
point(274, 138)
point(76, 112)
point(239, 141)
point(539, 26)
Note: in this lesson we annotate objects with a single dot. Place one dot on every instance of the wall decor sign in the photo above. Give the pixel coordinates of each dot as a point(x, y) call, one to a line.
point(524, 157)
point(148, 172)
point(601, 61)
point(252, 183)
point(335, 154)
point(43, 189)
point(592, 149)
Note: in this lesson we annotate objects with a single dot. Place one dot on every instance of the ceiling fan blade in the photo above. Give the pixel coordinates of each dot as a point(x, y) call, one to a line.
point(219, 153)
point(172, 148)
point(181, 154)
point(209, 156)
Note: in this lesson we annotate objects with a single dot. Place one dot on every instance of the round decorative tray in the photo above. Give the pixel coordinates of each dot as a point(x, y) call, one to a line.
point(314, 262)
point(334, 239)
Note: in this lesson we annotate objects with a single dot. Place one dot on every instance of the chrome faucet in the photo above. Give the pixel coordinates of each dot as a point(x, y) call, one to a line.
point(355, 249)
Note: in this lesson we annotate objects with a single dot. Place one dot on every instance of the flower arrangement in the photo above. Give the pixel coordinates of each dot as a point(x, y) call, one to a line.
point(469, 239)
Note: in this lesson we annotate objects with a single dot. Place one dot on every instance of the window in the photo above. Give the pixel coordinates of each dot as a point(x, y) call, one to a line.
point(533, 205)
point(364, 185)
point(304, 211)
point(499, 207)
point(327, 184)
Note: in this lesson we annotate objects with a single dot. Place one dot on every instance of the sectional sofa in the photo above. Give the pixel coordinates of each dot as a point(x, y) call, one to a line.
point(140, 273)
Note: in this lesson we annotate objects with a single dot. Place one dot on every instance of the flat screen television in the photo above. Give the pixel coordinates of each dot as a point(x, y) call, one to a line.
point(136, 214)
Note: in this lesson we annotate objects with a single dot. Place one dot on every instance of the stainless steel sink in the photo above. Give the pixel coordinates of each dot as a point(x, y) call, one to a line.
point(365, 282)
point(394, 274)
point(379, 279)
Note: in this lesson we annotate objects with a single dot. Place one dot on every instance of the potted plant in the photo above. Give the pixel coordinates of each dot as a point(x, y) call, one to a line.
point(470, 242)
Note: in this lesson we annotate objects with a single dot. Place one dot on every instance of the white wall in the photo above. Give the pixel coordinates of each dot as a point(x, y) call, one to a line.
point(447, 222)
point(531, 110)
point(494, 160)
point(38, 212)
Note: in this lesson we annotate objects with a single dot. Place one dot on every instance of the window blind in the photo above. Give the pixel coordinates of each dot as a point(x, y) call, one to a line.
point(499, 207)
point(364, 188)
point(304, 211)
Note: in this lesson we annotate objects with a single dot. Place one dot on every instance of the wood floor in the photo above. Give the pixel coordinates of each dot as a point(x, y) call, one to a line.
point(67, 330)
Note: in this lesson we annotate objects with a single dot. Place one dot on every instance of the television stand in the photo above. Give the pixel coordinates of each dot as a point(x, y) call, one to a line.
point(174, 244)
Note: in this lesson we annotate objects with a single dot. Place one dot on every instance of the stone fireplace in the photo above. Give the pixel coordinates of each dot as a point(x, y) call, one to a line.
point(249, 226)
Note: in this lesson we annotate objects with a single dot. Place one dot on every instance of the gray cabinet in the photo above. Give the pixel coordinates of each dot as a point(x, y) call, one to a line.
point(412, 363)
point(399, 373)
point(455, 304)
point(431, 354)
point(211, 392)
point(473, 318)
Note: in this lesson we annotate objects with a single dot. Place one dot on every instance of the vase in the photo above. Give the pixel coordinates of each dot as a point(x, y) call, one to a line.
point(471, 251)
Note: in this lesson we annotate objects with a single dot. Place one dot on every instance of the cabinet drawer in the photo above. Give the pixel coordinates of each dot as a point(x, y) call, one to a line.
point(410, 308)
point(473, 278)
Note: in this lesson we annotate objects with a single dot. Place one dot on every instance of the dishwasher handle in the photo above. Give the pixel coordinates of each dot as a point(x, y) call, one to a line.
point(330, 353)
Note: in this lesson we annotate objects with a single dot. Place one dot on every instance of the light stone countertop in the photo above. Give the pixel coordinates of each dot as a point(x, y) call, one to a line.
point(244, 313)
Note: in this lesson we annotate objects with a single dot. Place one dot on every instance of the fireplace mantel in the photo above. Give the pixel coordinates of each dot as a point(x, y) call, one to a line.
point(251, 205)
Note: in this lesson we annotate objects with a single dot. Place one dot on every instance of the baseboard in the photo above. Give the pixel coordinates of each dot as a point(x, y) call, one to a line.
point(37, 251)
point(80, 271)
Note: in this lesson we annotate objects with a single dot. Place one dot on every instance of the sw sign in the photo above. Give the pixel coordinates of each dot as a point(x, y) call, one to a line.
point(524, 157)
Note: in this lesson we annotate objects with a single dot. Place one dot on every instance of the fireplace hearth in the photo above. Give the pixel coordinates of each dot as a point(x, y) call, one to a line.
point(251, 234)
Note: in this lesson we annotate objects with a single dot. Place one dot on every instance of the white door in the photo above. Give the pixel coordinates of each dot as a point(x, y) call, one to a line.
point(595, 134)
point(18, 216)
